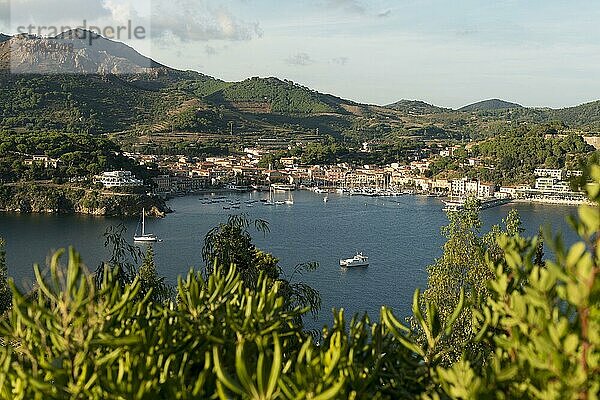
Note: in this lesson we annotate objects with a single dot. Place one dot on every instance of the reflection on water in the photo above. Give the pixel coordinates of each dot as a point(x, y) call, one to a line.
point(401, 236)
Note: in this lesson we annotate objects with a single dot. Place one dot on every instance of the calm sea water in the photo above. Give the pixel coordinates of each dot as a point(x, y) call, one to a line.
point(401, 236)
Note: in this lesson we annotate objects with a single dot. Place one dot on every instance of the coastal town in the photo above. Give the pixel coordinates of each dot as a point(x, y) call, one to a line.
point(182, 175)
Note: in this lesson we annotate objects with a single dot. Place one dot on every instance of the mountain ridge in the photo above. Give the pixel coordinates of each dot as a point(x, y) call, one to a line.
point(73, 52)
point(124, 90)
point(490, 105)
point(417, 107)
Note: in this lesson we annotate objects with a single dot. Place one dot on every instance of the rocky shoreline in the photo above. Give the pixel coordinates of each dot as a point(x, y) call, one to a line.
point(45, 199)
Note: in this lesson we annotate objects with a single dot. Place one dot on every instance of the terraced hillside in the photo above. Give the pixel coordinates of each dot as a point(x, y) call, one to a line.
point(109, 87)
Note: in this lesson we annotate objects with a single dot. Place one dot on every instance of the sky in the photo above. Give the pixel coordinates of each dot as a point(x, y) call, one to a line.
point(449, 53)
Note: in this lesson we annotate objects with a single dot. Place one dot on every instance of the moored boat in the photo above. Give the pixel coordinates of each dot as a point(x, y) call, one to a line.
point(145, 237)
point(359, 260)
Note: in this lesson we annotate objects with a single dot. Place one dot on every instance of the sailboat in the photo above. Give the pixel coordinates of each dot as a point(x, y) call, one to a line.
point(145, 237)
point(290, 199)
point(270, 202)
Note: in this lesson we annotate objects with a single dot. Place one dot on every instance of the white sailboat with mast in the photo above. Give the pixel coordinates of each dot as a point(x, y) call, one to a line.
point(270, 202)
point(145, 237)
point(290, 199)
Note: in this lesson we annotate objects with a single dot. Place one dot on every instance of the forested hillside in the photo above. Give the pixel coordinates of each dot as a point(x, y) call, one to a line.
point(161, 99)
point(490, 105)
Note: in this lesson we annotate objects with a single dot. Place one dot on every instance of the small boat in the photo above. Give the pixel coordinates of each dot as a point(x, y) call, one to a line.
point(453, 205)
point(325, 199)
point(282, 187)
point(359, 260)
point(145, 237)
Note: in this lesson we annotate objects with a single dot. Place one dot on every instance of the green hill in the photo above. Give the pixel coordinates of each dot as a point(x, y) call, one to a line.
point(77, 103)
point(490, 105)
point(416, 107)
point(275, 95)
point(135, 97)
point(587, 114)
point(117, 89)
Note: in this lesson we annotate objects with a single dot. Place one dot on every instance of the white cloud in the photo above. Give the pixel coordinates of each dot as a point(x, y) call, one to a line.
point(300, 59)
point(55, 12)
point(196, 21)
point(167, 20)
point(120, 12)
point(340, 60)
point(347, 5)
point(4, 12)
point(214, 50)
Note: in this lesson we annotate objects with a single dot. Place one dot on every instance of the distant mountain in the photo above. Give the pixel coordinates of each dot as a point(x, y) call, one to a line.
point(587, 114)
point(416, 107)
point(66, 84)
point(74, 52)
point(490, 105)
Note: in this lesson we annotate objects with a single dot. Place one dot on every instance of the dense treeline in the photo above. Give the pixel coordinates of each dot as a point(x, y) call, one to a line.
point(512, 156)
point(514, 326)
point(198, 121)
point(75, 103)
point(517, 154)
point(585, 116)
point(281, 96)
point(331, 152)
point(79, 155)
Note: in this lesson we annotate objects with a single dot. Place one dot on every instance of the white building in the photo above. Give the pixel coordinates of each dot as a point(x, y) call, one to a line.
point(574, 173)
point(486, 190)
point(465, 187)
point(115, 179)
point(549, 184)
point(458, 187)
point(471, 187)
point(507, 192)
point(549, 173)
point(46, 161)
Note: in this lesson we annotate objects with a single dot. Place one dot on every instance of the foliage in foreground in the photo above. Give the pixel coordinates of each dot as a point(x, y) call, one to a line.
point(219, 340)
point(225, 339)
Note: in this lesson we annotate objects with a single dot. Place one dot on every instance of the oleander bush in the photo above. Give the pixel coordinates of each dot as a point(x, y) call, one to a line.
point(83, 338)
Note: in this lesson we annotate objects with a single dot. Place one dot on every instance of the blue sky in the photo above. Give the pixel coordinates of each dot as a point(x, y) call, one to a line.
point(450, 53)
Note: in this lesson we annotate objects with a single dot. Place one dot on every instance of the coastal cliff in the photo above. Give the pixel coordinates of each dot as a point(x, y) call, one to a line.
point(32, 198)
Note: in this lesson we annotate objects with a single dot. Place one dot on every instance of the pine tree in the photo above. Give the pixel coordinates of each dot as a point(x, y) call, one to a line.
point(150, 280)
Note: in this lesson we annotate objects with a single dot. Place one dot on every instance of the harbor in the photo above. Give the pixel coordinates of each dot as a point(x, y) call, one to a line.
point(400, 235)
